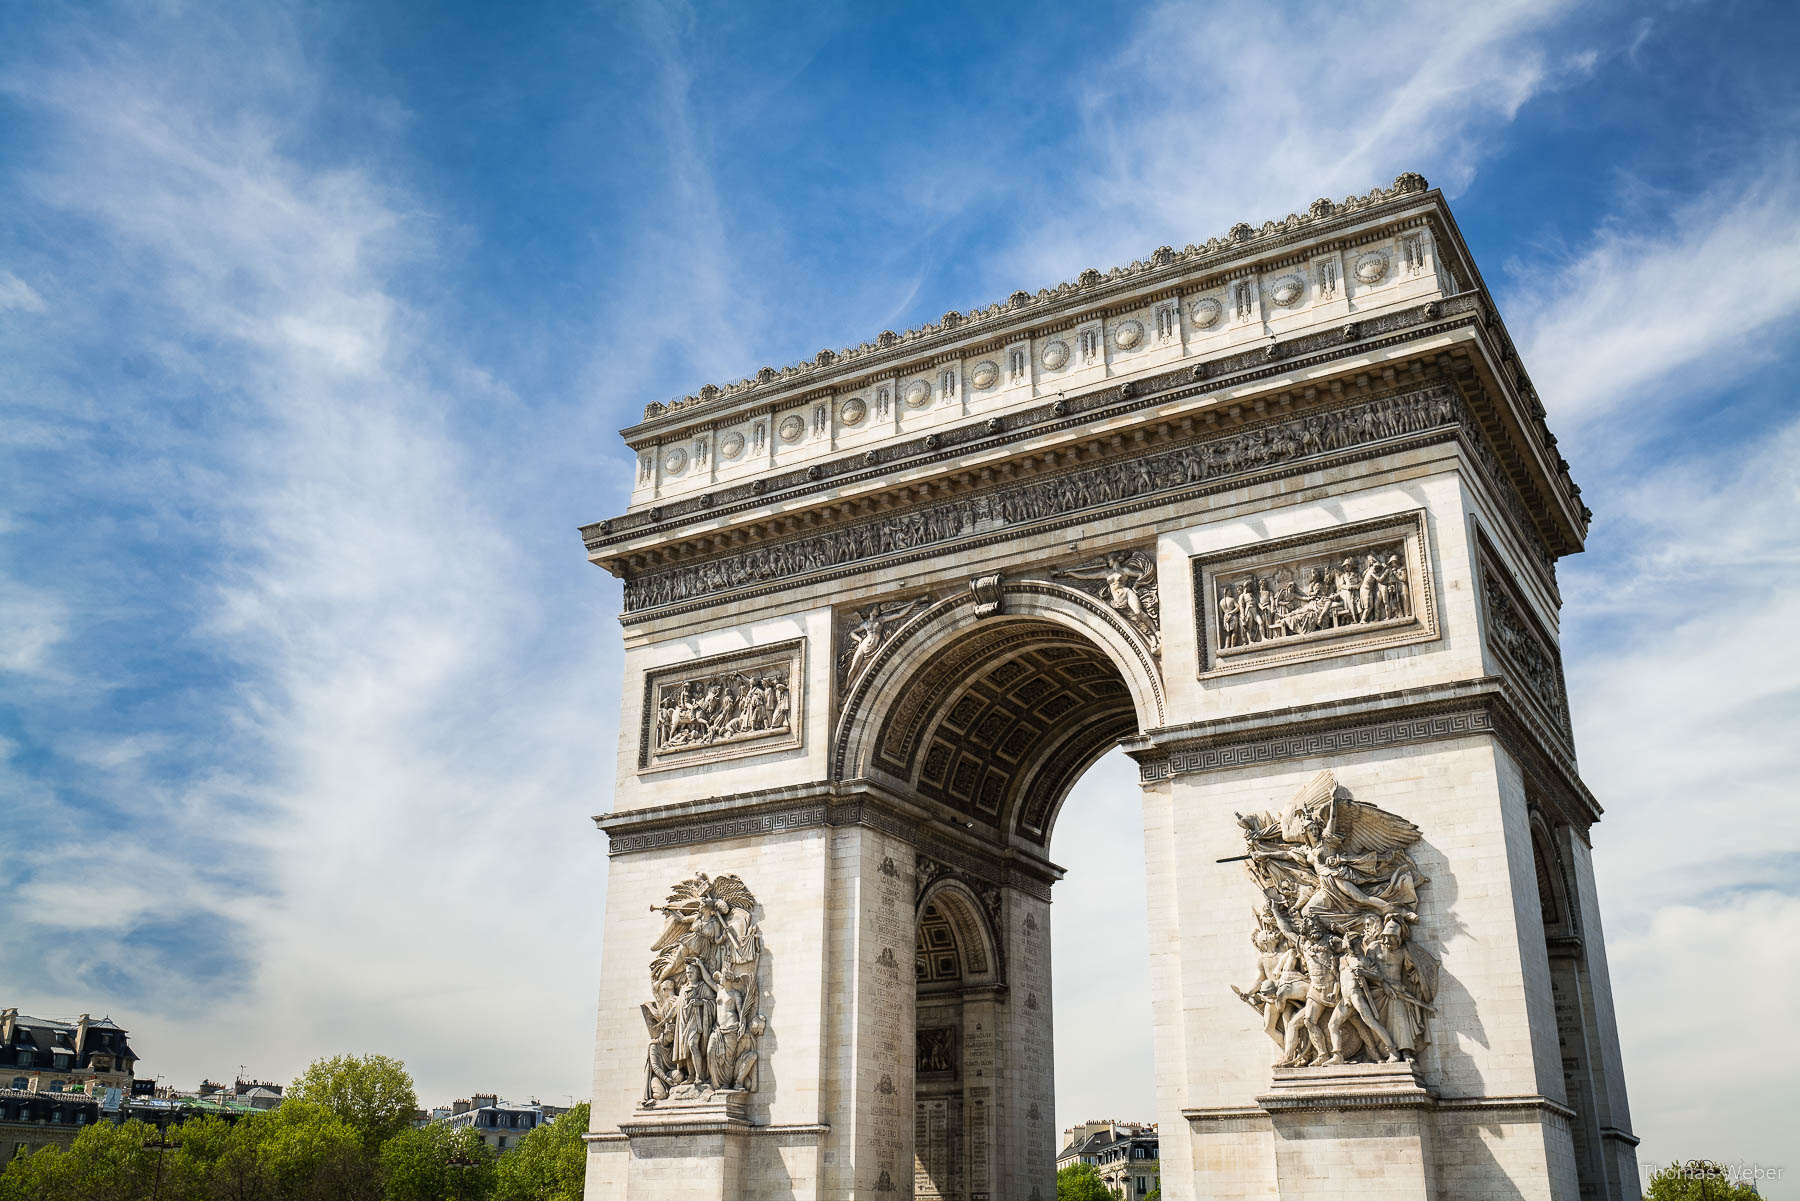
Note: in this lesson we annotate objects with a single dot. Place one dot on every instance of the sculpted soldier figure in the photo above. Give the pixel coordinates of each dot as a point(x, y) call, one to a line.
point(1335, 973)
point(705, 974)
point(1306, 1040)
point(660, 1072)
point(1408, 985)
point(1280, 986)
point(1393, 588)
point(1345, 580)
point(1249, 620)
point(1355, 974)
point(1372, 575)
point(693, 1022)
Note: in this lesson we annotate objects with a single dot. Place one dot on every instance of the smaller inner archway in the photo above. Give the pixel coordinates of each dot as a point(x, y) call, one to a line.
point(959, 984)
point(984, 721)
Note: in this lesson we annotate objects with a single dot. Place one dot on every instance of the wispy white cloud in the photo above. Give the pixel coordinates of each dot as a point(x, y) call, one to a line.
point(1615, 322)
point(16, 294)
point(421, 764)
point(1684, 678)
point(32, 622)
point(1220, 113)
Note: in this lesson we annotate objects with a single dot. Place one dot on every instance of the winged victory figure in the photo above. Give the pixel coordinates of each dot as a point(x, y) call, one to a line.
point(704, 974)
point(1338, 975)
point(870, 632)
point(1127, 581)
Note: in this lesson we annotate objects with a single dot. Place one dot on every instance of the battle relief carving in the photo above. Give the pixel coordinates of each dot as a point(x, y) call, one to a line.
point(730, 705)
point(1521, 644)
point(705, 1016)
point(1357, 588)
point(1339, 979)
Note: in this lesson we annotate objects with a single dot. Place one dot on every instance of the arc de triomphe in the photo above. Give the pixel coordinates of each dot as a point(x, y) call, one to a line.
point(1278, 514)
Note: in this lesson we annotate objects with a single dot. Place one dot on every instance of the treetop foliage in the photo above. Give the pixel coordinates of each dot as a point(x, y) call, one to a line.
point(1698, 1180)
point(338, 1136)
point(1081, 1182)
point(372, 1093)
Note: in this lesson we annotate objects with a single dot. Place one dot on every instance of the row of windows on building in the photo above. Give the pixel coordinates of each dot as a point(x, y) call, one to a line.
point(9, 1113)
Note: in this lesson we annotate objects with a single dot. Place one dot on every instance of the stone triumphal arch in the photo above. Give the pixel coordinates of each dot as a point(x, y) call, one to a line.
point(1278, 514)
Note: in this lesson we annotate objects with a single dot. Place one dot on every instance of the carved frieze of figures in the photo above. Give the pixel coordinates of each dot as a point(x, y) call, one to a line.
point(1520, 642)
point(745, 703)
point(1349, 589)
point(1053, 498)
point(1126, 580)
point(1340, 977)
point(705, 1015)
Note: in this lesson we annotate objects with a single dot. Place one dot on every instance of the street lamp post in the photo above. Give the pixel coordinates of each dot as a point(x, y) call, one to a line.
point(161, 1145)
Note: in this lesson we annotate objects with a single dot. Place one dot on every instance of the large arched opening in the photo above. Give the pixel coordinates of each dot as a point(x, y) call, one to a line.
point(985, 722)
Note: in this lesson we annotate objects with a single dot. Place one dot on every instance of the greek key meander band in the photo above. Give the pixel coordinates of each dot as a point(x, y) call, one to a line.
point(1493, 712)
point(1329, 742)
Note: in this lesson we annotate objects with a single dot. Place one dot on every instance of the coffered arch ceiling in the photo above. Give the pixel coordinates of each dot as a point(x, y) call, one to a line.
point(1002, 722)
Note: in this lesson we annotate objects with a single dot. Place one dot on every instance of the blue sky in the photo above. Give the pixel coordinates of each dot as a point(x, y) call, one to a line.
point(317, 324)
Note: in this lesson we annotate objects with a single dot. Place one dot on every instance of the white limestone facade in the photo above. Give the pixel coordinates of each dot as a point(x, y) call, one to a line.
point(883, 609)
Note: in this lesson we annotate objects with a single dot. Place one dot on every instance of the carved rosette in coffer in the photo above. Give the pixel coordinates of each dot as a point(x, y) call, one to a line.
point(1354, 588)
point(745, 703)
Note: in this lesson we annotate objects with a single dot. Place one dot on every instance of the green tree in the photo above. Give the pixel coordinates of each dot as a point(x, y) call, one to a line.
point(372, 1093)
point(299, 1151)
point(39, 1176)
point(105, 1163)
point(434, 1163)
point(308, 1152)
point(1081, 1182)
point(188, 1168)
point(1697, 1180)
point(549, 1164)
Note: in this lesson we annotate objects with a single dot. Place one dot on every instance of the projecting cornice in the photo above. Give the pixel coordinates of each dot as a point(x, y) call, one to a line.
point(1348, 301)
point(1091, 289)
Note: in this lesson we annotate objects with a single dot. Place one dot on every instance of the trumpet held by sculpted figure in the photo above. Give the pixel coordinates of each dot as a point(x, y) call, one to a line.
point(705, 1016)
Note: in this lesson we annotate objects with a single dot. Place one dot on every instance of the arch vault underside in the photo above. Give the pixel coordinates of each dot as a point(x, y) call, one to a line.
point(994, 719)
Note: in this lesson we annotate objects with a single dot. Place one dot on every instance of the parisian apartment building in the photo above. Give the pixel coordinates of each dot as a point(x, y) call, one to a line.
point(1124, 1153)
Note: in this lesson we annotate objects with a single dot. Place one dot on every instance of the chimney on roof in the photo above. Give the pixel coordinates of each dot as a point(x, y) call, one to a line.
point(8, 1019)
point(484, 1100)
point(81, 1031)
point(459, 1106)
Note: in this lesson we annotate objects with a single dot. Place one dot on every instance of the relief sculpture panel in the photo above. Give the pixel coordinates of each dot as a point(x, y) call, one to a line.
point(1125, 580)
point(1053, 499)
point(1339, 977)
point(1322, 594)
point(729, 705)
point(1521, 643)
point(705, 1015)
